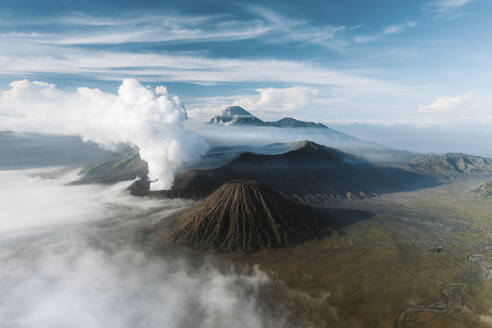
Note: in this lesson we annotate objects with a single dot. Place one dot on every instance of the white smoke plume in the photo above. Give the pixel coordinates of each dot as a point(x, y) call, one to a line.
point(147, 118)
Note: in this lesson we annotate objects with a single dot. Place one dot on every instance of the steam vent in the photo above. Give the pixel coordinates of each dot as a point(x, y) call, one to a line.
point(247, 216)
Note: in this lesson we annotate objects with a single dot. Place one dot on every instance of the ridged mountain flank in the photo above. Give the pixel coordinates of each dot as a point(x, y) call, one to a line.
point(483, 191)
point(247, 216)
point(450, 165)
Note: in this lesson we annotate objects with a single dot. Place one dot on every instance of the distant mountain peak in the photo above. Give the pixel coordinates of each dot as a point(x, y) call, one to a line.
point(308, 144)
point(236, 115)
point(236, 111)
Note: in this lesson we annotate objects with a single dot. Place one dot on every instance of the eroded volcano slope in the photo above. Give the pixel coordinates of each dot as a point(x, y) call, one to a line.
point(248, 216)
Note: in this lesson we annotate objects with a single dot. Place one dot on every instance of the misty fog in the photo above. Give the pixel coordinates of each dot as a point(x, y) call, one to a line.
point(69, 259)
point(219, 135)
point(472, 139)
point(33, 150)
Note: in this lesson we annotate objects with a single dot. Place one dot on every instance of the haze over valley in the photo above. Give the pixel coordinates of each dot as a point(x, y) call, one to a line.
point(260, 165)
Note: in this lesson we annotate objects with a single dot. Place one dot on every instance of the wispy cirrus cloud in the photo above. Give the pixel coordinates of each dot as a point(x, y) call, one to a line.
point(287, 29)
point(81, 29)
point(114, 65)
point(388, 30)
point(91, 30)
point(97, 46)
point(444, 8)
point(168, 47)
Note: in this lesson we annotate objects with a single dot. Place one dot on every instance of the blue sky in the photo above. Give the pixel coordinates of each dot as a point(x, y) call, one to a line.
point(372, 62)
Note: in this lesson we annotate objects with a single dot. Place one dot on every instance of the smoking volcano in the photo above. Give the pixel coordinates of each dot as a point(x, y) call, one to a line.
point(248, 216)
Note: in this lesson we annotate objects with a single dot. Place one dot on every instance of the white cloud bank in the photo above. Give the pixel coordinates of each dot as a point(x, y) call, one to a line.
point(68, 260)
point(445, 104)
point(148, 119)
point(278, 99)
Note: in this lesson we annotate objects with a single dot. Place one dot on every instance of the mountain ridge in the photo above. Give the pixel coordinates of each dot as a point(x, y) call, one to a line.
point(483, 191)
point(236, 115)
point(449, 165)
point(312, 173)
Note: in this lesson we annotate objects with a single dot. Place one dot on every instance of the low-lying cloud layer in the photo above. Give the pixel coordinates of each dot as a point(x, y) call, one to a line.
point(77, 285)
point(260, 136)
point(69, 260)
point(148, 119)
point(40, 199)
